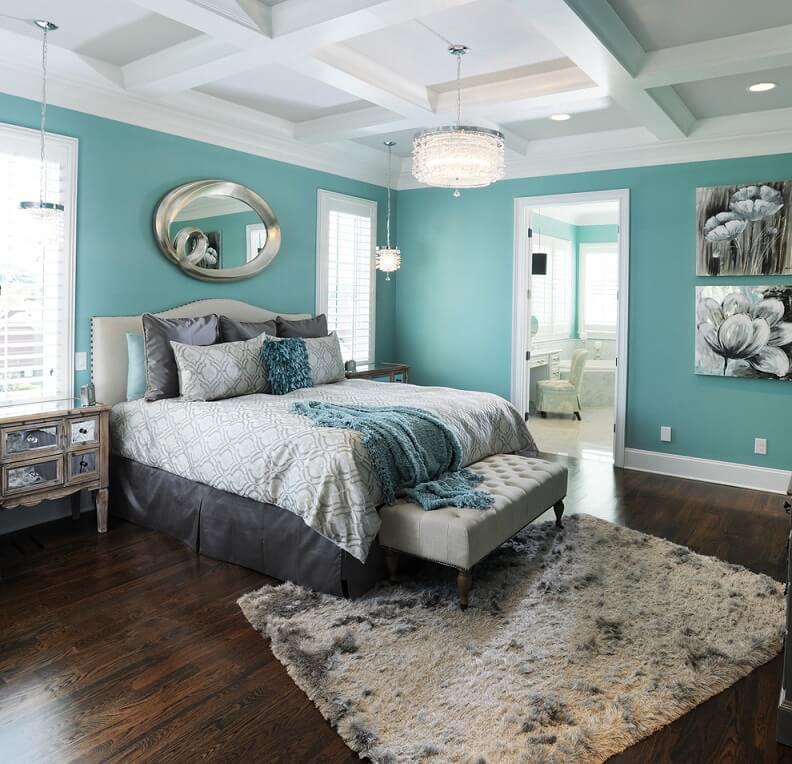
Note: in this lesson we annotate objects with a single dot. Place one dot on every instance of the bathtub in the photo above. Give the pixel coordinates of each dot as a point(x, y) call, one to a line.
point(599, 381)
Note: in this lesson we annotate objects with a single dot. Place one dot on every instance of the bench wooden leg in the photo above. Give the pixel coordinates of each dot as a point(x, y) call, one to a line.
point(392, 563)
point(464, 585)
point(558, 508)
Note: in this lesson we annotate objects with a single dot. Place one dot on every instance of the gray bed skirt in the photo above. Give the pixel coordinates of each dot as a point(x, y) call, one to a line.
point(235, 529)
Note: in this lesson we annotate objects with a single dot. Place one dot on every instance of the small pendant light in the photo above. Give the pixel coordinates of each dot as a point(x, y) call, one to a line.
point(41, 209)
point(388, 258)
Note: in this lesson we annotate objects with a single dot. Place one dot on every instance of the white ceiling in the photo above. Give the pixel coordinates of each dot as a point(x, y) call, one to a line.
point(325, 83)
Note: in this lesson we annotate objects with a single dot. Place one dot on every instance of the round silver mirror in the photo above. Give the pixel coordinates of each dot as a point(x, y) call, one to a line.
point(216, 230)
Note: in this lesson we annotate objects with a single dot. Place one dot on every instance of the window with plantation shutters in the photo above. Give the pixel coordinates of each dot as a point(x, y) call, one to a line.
point(347, 231)
point(599, 287)
point(551, 294)
point(36, 269)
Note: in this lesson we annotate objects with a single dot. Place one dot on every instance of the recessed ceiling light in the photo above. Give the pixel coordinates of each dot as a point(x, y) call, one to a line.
point(761, 87)
point(560, 117)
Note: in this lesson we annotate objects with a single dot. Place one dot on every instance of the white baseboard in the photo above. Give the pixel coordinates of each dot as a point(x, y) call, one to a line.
point(708, 470)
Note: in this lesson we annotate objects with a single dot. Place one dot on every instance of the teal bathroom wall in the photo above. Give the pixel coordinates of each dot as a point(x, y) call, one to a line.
point(454, 304)
point(124, 171)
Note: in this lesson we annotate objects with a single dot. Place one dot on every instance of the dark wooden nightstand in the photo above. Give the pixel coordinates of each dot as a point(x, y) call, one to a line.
point(377, 370)
point(53, 449)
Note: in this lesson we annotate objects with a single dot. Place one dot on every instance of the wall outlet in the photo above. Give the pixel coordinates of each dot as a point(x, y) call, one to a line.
point(80, 361)
point(760, 446)
point(665, 434)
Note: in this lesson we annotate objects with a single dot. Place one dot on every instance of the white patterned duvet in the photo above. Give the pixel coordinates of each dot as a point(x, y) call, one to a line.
point(252, 446)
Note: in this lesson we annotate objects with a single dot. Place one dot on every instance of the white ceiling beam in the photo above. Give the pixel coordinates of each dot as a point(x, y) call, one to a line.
point(291, 31)
point(738, 54)
point(345, 69)
point(180, 67)
point(502, 102)
point(592, 35)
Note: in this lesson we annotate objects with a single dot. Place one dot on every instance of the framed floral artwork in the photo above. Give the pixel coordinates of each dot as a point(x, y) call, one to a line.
point(744, 331)
point(744, 230)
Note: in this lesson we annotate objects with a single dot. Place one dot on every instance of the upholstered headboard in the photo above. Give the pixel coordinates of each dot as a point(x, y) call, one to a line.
point(109, 346)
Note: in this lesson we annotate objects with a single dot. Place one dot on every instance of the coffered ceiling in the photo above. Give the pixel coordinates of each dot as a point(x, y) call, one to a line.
point(325, 82)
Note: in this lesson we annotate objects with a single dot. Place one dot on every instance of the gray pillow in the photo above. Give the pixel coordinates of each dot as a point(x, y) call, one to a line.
point(303, 327)
point(234, 331)
point(162, 376)
point(226, 370)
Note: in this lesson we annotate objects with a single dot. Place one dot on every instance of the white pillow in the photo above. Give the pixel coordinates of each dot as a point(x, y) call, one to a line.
point(212, 372)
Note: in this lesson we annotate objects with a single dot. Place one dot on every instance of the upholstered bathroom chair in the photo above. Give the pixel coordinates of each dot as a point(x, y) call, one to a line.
point(562, 396)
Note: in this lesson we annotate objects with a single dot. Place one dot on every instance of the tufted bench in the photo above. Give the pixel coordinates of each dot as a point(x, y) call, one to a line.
point(523, 488)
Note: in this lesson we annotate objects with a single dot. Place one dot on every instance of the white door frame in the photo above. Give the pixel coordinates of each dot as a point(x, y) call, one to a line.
point(521, 296)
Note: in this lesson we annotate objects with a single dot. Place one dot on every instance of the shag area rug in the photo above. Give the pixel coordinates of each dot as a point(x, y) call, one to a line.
point(577, 644)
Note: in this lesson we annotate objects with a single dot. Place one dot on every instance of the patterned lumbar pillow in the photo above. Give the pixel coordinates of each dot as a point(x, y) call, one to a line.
point(220, 371)
point(296, 362)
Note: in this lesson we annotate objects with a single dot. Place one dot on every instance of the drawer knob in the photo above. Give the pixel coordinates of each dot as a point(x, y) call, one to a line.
point(83, 431)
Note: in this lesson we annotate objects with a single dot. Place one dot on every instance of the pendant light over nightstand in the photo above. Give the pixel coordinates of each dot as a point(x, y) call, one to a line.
point(388, 258)
point(42, 209)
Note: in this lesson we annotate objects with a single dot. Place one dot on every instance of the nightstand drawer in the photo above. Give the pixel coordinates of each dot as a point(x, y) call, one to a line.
point(83, 432)
point(30, 440)
point(32, 475)
point(82, 465)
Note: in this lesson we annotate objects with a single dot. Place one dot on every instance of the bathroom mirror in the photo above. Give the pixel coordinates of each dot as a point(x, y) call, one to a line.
point(216, 230)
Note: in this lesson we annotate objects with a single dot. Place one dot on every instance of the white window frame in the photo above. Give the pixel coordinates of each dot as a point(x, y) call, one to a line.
point(67, 148)
point(594, 332)
point(539, 242)
point(251, 251)
point(327, 201)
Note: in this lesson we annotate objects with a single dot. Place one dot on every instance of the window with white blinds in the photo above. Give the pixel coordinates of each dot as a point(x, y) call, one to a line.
point(36, 269)
point(347, 231)
point(551, 295)
point(599, 287)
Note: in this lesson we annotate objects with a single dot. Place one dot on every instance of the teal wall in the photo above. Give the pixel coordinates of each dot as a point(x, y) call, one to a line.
point(453, 304)
point(122, 174)
point(125, 170)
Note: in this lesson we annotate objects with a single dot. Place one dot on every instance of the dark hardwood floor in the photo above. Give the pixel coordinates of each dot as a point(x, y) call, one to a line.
point(129, 647)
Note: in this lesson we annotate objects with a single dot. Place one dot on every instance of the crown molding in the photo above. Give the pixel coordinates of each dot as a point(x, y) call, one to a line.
point(89, 87)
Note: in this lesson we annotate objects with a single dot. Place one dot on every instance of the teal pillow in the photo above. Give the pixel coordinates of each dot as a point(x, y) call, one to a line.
point(136, 366)
point(286, 362)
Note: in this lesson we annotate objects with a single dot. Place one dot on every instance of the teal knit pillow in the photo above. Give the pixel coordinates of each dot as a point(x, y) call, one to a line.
point(286, 362)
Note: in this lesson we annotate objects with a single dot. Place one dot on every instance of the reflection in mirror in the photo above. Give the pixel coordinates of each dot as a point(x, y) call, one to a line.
point(225, 223)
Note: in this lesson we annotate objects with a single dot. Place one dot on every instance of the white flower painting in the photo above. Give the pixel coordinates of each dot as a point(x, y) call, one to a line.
point(744, 331)
point(744, 230)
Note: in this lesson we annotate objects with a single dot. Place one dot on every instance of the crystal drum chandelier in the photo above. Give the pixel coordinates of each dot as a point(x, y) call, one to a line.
point(458, 156)
point(388, 258)
point(42, 209)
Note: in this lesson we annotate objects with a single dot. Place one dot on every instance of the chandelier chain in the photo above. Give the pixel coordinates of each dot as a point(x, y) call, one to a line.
point(459, 89)
point(387, 223)
point(43, 167)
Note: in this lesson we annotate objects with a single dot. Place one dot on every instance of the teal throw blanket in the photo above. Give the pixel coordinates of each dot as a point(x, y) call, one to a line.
point(414, 454)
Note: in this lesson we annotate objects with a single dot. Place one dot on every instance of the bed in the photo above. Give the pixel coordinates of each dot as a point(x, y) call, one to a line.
point(247, 481)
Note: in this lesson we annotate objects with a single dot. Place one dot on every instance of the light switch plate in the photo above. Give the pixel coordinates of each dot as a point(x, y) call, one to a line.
point(760, 446)
point(665, 434)
point(80, 361)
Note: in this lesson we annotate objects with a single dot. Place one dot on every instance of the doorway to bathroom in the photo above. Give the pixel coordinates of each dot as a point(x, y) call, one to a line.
point(569, 314)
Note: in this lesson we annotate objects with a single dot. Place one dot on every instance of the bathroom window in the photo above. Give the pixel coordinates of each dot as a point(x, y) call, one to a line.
point(599, 290)
point(36, 269)
point(551, 295)
point(345, 288)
